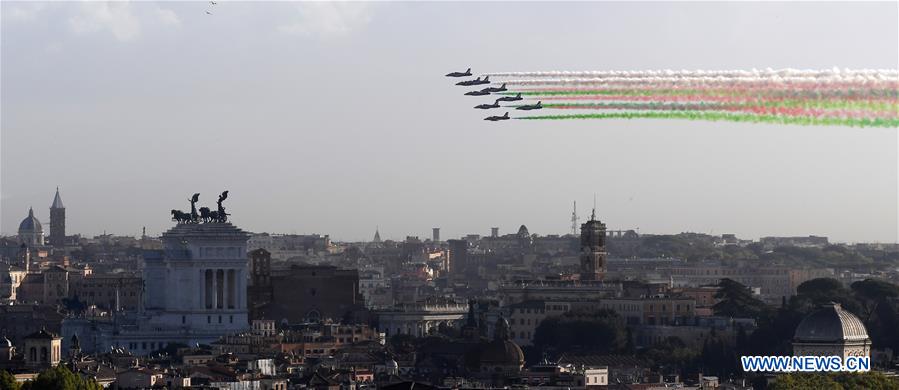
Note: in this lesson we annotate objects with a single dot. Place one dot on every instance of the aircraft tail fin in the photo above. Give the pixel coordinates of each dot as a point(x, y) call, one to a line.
point(487, 78)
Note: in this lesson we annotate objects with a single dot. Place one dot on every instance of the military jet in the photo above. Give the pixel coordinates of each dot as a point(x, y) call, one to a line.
point(478, 93)
point(530, 106)
point(488, 106)
point(510, 98)
point(459, 74)
point(497, 118)
point(476, 81)
point(497, 89)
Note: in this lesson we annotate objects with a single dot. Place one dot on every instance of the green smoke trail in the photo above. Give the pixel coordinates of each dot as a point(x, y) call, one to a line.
point(719, 116)
point(700, 105)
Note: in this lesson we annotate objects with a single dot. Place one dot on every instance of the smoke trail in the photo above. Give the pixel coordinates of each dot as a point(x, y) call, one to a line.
point(766, 73)
point(881, 108)
point(849, 97)
point(701, 82)
point(732, 117)
point(810, 93)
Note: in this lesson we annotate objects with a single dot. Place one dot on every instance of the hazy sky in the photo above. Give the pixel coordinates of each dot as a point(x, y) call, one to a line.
point(335, 118)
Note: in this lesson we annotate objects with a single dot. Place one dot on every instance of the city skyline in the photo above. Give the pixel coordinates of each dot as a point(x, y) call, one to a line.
point(317, 114)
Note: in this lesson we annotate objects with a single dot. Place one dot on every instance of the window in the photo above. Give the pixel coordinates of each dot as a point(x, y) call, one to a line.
point(183, 319)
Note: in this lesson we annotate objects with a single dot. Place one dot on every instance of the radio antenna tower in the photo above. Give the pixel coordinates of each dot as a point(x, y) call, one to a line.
point(574, 219)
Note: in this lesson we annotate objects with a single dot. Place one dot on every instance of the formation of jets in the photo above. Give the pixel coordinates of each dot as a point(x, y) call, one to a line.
point(489, 90)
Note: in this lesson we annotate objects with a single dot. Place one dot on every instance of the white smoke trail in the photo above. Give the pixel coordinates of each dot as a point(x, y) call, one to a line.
point(756, 73)
point(866, 80)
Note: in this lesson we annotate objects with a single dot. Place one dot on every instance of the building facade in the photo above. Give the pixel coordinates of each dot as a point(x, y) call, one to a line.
point(421, 318)
point(593, 249)
point(831, 331)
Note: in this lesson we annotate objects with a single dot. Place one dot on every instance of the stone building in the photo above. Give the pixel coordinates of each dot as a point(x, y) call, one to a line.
point(421, 318)
point(831, 331)
point(593, 249)
point(195, 293)
point(109, 291)
point(57, 222)
point(42, 350)
point(305, 293)
point(501, 356)
point(31, 233)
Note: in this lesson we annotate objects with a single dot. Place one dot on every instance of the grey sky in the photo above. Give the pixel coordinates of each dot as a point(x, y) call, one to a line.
point(334, 118)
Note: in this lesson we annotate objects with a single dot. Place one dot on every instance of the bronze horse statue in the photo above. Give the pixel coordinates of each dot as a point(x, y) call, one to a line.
point(181, 217)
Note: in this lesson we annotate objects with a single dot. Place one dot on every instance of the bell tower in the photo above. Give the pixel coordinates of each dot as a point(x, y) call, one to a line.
point(57, 222)
point(593, 249)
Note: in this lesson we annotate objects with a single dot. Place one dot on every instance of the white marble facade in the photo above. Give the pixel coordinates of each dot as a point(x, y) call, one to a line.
point(195, 291)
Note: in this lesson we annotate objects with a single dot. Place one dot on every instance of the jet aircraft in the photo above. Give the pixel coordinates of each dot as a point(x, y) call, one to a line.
point(497, 118)
point(530, 106)
point(459, 74)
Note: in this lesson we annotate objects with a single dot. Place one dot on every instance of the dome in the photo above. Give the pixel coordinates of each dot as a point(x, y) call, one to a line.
point(392, 364)
point(5, 343)
point(830, 323)
point(502, 351)
point(30, 223)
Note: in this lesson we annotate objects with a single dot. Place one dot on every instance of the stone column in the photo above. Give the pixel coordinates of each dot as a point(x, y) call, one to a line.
point(215, 290)
point(225, 288)
point(242, 293)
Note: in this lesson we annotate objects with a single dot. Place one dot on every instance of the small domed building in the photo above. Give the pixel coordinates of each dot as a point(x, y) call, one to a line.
point(31, 233)
point(502, 355)
point(831, 331)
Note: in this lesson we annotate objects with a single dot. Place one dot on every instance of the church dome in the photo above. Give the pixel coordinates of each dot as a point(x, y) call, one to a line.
point(830, 323)
point(502, 351)
point(30, 223)
point(5, 343)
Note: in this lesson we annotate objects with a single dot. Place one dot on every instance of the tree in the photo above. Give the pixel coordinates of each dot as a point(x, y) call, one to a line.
point(8, 381)
point(871, 292)
point(816, 292)
point(671, 353)
point(736, 300)
point(60, 378)
point(599, 331)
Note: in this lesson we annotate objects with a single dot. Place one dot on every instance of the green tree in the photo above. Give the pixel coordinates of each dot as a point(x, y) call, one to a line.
point(60, 378)
point(871, 293)
point(599, 331)
point(816, 292)
point(671, 354)
point(736, 300)
point(8, 381)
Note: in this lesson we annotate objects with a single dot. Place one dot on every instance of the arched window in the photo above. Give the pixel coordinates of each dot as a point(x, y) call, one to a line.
point(44, 355)
point(32, 354)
